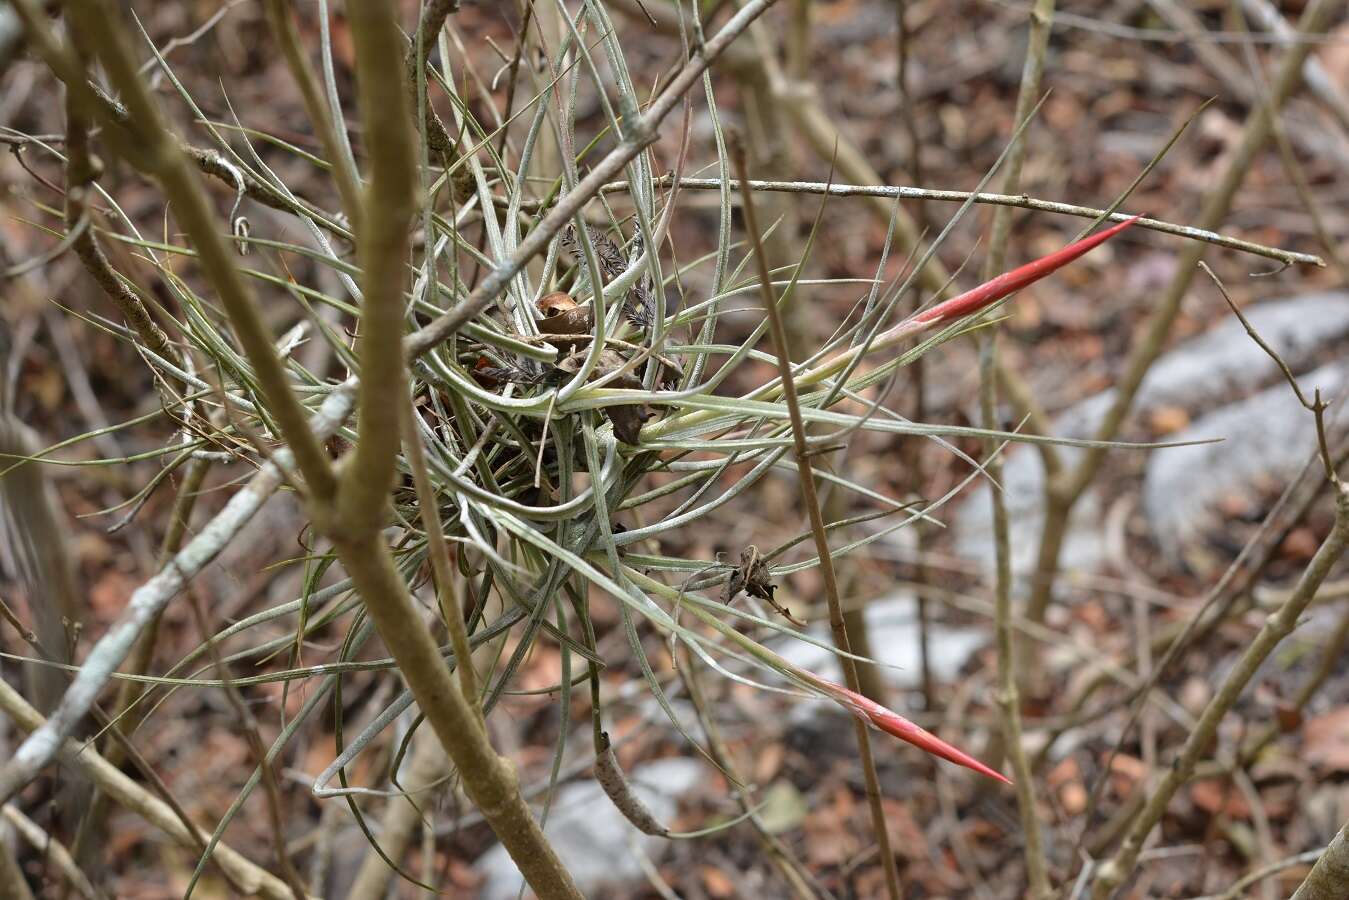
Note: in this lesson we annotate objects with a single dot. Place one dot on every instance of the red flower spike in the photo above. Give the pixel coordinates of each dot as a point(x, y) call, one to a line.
point(893, 723)
point(995, 289)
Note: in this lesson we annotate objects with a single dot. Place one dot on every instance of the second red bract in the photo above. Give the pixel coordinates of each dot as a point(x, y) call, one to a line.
point(995, 289)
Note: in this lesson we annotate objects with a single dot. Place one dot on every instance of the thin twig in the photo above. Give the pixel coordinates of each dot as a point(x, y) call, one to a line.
point(81, 170)
point(1021, 201)
point(797, 876)
point(817, 524)
point(249, 724)
point(1331, 656)
point(438, 138)
point(1321, 82)
point(1216, 607)
point(908, 113)
point(1064, 491)
point(280, 18)
point(1009, 697)
point(1316, 406)
point(427, 767)
point(53, 850)
point(1238, 888)
point(1290, 162)
point(1255, 336)
point(127, 712)
point(13, 884)
point(1278, 626)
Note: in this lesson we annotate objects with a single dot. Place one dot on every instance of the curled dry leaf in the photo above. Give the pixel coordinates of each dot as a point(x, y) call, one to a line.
point(550, 305)
point(560, 314)
point(628, 421)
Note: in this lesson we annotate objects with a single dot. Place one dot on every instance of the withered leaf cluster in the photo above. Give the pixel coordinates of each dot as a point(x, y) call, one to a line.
point(756, 579)
point(628, 418)
point(638, 305)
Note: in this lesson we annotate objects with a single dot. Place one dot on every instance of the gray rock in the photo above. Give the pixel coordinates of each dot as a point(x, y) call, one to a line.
point(1265, 441)
point(592, 837)
point(1211, 370)
point(1224, 363)
point(1023, 478)
point(893, 624)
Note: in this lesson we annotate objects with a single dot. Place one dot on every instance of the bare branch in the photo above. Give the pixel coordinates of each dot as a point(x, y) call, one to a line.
point(1020, 201)
point(817, 525)
point(1329, 878)
point(1278, 626)
point(382, 249)
point(150, 145)
point(1009, 697)
point(1065, 489)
